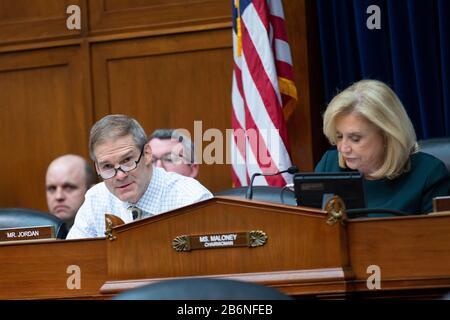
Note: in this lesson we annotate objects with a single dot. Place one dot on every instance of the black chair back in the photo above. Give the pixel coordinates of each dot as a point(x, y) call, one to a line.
point(438, 147)
point(22, 217)
point(203, 289)
point(263, 193)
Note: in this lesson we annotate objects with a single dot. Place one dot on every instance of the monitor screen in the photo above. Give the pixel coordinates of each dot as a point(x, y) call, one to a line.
point(314, 189)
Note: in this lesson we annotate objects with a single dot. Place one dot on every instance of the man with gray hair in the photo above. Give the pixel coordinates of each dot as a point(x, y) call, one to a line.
point(174, 152)
point(132, 188)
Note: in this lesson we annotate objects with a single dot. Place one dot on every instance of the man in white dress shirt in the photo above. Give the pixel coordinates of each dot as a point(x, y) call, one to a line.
point(123, 159)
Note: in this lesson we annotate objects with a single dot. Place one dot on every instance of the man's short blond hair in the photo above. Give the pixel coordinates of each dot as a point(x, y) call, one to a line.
point(378, 104)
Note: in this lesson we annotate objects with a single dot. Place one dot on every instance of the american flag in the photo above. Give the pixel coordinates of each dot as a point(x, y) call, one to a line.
point(262, 89)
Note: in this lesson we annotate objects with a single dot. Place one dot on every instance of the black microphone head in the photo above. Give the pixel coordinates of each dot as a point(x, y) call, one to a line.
point(292, 170)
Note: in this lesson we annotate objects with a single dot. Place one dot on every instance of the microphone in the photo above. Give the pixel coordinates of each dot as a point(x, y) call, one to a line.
point(249, 193)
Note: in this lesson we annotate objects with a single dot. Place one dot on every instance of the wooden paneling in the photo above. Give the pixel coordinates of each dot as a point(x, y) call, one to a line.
point(415, 236)
point(44, 113)
point(170, 81)
point(411, 252)
point(40, 270)
point(24, 20)
point(108, 15)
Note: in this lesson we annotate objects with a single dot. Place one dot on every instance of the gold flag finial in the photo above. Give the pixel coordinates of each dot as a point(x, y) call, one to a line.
point(238, 28)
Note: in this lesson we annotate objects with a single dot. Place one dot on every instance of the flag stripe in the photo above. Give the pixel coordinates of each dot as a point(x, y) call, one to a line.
point(237, 99)
point(276, 8)
point(282, 51)
point(284, 70)
point(278, 28)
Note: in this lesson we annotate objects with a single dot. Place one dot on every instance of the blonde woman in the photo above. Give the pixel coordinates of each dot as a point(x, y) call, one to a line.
point(374, 135)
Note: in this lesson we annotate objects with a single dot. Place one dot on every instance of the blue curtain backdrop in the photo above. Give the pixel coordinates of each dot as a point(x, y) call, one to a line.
point(411, 53)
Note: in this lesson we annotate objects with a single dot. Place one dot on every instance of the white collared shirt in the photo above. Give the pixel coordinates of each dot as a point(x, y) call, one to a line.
point(166, 191)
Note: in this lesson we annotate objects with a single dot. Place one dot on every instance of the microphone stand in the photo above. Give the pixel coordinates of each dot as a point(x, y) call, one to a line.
point(249, 193)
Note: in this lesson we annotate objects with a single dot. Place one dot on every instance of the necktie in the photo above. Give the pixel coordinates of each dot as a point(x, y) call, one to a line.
point(136, 212)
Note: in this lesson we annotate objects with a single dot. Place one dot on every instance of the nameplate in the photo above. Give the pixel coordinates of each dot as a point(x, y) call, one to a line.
point(219, 240)
point(27, 233)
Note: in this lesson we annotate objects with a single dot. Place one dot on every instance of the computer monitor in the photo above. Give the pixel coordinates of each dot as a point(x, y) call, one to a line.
point(314, 189)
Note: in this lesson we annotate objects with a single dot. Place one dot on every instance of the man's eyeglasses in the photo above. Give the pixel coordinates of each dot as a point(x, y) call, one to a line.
point(125, 167)
point(169, 158)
